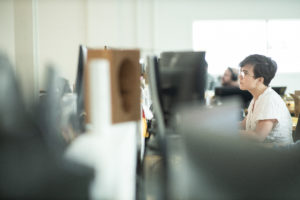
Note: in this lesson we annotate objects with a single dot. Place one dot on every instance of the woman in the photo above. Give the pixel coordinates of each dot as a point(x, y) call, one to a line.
point(268, 118)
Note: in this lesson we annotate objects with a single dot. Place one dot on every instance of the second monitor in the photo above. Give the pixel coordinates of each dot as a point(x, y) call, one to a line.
point(224, 92)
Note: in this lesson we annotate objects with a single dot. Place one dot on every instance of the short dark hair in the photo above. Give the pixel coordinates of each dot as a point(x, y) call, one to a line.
point(262, 67)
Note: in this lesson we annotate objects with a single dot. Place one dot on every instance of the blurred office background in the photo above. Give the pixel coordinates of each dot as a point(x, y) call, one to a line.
point(36, 32)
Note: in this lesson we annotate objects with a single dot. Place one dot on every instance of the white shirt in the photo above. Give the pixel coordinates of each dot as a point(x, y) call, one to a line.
point(270, 105)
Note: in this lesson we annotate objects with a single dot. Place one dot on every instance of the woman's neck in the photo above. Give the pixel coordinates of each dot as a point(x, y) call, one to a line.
point(258, 91)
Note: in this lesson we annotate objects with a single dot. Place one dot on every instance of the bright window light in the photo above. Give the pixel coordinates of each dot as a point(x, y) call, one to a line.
point(284, 44)
point(227, 42)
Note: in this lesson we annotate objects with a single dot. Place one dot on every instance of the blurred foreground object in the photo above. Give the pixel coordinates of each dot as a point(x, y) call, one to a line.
point(30, 167)
point(213, 162)
point(112, 105)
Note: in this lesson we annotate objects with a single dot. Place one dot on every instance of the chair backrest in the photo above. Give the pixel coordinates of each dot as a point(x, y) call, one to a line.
point(297, 92)
point(297, 104)
point(296, 135)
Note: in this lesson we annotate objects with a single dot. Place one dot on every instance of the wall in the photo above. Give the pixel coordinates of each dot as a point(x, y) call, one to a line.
point(291, 80)
point(62, 27)
point(173, 19)
point(173, 23)
point(26, 55)
point(153, 26)
point(7, 36)
point(112, 23)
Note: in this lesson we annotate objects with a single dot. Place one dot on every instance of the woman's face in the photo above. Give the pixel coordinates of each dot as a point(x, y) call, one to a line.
point(247, 79)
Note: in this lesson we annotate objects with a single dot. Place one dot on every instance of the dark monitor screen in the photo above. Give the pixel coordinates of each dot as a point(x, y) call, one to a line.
point(185, 71)
point(224, 92)
point(79, 86)
point(80, 69)
point(182, 78)
point(80, 74)
point(280, 90)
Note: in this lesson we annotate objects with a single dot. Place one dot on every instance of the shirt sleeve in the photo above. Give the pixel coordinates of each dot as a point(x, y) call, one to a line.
point(267, 109)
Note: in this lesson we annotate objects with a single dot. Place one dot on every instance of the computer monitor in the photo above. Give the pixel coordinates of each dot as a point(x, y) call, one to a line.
point(182, 79)
point(175, 65)
point(280, 90)
point(79, 86)
point(224, 92)
point(80, 68)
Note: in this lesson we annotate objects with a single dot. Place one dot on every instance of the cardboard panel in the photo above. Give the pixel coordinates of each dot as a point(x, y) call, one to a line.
point(125, 83)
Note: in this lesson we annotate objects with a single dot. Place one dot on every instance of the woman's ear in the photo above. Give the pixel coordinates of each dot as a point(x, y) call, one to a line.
point(261, 80)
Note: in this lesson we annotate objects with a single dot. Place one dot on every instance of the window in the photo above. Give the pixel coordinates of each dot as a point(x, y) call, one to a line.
point(227, 42)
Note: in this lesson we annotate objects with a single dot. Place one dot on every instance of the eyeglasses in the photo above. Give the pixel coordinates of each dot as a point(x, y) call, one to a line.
point(245, 73)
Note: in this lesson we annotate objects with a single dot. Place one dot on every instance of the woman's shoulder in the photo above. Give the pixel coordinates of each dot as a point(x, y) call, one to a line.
point(271, 98)
point(270, 94)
